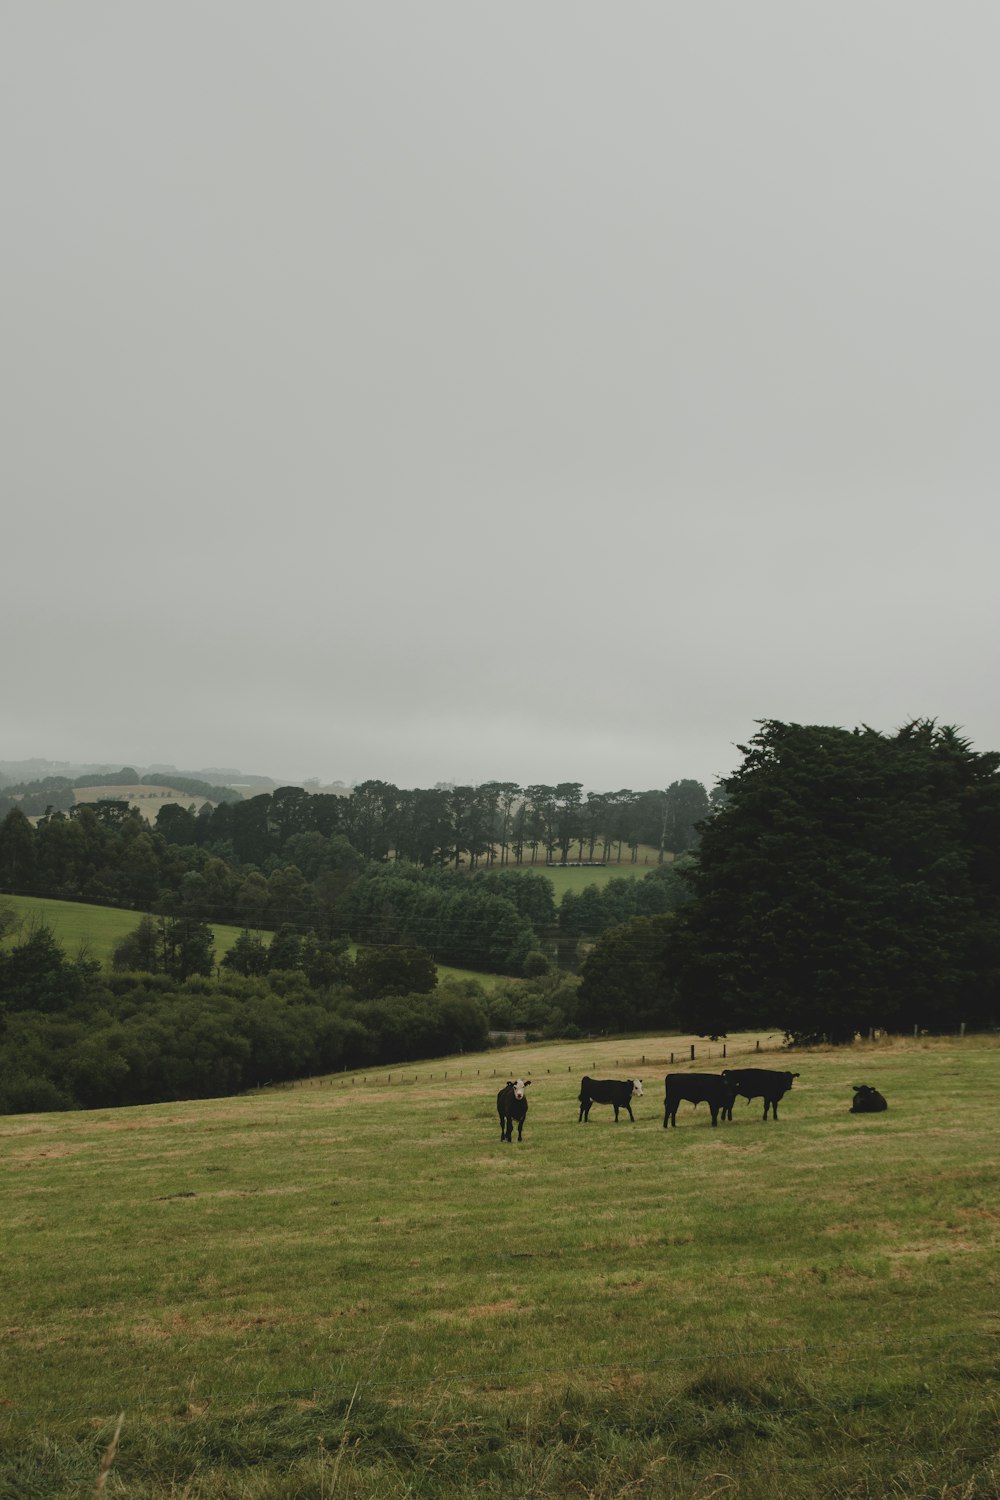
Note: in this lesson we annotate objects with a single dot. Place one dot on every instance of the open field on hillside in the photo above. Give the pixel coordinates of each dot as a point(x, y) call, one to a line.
point(145, 799)
point(101, 928)
point(98, 928)
point(576, 877)
point(356, 1290)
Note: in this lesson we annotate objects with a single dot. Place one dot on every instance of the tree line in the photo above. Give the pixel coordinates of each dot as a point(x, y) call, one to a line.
point(291, 858)
point(845, 881)
point(74, 1037)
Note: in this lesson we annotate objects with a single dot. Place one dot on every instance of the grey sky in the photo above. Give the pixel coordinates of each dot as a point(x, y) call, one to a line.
point(452, 391)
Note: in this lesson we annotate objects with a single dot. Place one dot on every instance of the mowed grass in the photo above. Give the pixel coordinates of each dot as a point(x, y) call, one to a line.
point(355, 1289)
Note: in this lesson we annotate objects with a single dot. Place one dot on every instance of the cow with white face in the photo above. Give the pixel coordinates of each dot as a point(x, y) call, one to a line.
point(512, 1105)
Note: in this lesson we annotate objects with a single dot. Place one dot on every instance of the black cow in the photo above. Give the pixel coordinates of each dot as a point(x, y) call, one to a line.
point(760, 1083)
point(511, 1106)
point(615, 1091)
point(867, 1101)
point(711, 1088)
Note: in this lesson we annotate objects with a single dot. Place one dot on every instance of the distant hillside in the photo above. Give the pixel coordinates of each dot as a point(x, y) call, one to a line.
point(147, 798)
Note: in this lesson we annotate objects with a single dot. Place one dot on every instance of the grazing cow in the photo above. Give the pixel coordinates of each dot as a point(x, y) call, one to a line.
point(760, 1083)
point(712, 1088)
point(511, 1106)
point(615, 1091)
point(867, 1101)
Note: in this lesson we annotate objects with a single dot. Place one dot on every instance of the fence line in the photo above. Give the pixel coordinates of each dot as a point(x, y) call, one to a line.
point(400, 1075)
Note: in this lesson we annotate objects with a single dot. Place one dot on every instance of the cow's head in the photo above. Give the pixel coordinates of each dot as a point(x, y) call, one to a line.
point(519, 1085)
point(636, 1088)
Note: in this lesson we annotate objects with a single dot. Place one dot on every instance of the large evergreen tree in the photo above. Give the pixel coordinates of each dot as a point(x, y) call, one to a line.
point(849, 880)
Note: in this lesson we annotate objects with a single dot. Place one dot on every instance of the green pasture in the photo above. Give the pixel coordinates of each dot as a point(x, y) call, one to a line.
point(97, 930)
point(354, 1289)
point(577, 877)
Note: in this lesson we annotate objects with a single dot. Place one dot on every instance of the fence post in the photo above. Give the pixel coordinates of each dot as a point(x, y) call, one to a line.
point(962, 1030)
point(671, 1059)
point(692, 1051)
point(757, 1048)
point(723, 1049)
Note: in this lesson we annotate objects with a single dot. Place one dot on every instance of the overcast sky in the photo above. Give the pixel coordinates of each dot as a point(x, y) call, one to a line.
point(452, 391)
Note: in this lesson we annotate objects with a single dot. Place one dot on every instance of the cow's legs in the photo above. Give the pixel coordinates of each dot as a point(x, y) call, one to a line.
point(616, 1111)
point(630, 1114)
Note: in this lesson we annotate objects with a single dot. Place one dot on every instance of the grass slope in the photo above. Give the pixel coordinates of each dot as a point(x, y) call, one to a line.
point(97, 928)
point(356, 1290)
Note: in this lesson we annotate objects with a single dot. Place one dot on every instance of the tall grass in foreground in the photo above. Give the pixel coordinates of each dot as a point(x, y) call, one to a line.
point(363, 1293)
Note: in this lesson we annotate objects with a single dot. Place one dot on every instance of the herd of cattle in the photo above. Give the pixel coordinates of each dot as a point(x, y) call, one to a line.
point(718, 1090)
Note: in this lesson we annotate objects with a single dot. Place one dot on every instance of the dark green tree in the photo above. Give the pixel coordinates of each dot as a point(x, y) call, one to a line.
point(326, 962)
point(393, 971)
point(35, 975)
point(685, 806)
point(623, 987)
point(849, 880)
point(285, 951)
point(248, 955)
point(17, 852)
point(187, 946)
point(140, 950)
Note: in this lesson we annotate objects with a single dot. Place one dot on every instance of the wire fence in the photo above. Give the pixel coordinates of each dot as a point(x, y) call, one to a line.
point(399, 1076)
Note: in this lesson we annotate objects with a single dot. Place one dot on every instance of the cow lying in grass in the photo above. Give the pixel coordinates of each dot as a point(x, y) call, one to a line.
point(614, 1091)
point(511, 1106)
point(867, 1101)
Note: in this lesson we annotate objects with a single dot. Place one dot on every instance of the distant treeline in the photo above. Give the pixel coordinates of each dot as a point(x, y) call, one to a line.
point(497, 822)
point(306, 861)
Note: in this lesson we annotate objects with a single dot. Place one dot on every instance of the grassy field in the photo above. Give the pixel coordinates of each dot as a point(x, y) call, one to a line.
point(144, 799)
point(97, 928)
point(100, 928)
point(353, 1289)
point(576, 877)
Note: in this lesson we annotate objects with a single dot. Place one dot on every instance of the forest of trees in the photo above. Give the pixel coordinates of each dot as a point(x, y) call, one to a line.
point(498, 822)
point(333, 865)
point(72, 1037)
point(839, 881)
